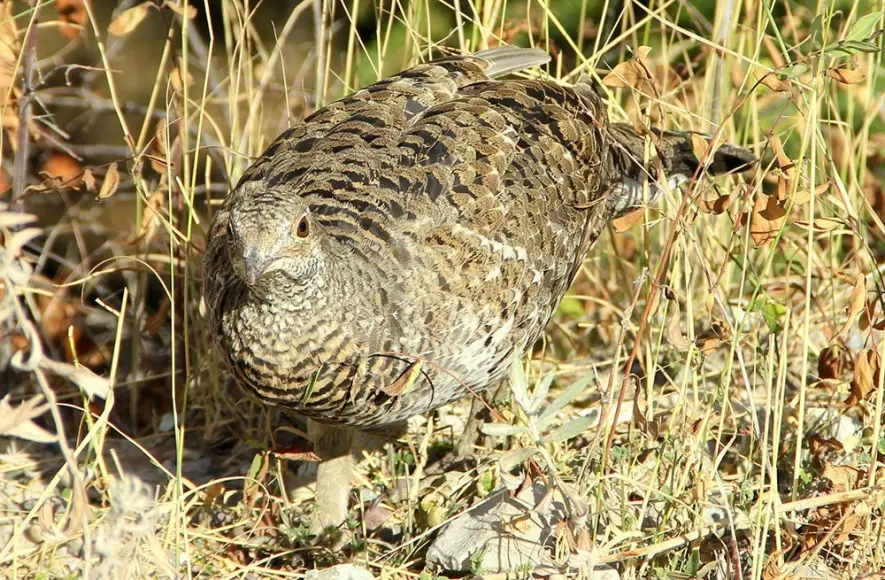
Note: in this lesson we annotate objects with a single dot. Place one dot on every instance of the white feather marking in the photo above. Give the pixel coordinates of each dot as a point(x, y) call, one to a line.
point(507, 251)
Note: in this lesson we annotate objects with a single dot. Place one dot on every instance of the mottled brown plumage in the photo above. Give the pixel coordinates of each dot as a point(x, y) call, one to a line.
point(400, 247)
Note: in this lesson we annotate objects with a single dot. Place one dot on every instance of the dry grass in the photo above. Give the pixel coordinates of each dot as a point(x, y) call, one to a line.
point(744, 441)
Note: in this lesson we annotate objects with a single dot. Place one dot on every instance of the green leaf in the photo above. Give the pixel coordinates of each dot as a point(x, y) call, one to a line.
point(502, 430)
point(864, 27)
point(516, 457)
point(571, 429)
point(794, 71)
point(255, 468)
point(519, 385)
point(858, 39)
point(771, 311)
point(541, 390)
point(564, 398)
point(846, 48)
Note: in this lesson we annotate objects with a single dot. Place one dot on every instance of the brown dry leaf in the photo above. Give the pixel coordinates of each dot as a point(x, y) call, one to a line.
point(866, 376)
point(175, 79)
point(856, 304)
point(9, 49)
point(110, 183)
point(846, 76)
point(48, 184)
point(818, 445)
point(16, 421)
point(716, 206)
point(651, 428)
point(767, 219)
point(630, 74)
point(830, 362)
point(822, 224)
point(783, 160)
point(700, 146)
point(129, 19)
point(151, 217)
point(842, 477)
point(625, 222)
point(774, 565)
point(159, 159)
point(707, 344)
point(189, 11)
point(803, 196)
point(404, 383)
point(155, 321)
point(850, 524)
point(771, 81)
point(673, 331)
point(72, 14)
point(89, 181)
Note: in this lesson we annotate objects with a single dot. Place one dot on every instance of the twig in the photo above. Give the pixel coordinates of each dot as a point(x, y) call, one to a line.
point(19, 176)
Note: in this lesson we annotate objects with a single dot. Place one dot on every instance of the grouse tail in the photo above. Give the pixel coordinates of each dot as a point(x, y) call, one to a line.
point(675, 153)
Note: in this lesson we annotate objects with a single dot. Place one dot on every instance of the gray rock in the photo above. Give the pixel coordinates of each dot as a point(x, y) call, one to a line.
point(340, 572)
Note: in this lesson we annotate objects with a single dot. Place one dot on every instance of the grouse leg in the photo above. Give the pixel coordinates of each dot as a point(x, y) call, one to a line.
point(479, 414)
point(334, 445)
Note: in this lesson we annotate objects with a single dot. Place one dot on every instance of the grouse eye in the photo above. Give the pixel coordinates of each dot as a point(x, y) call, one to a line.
point(303, 228)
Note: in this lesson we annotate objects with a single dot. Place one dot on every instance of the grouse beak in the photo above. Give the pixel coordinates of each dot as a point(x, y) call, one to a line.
point(256, 265)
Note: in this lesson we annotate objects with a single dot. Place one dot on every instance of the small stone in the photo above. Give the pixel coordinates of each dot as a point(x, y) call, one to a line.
point(340, 572)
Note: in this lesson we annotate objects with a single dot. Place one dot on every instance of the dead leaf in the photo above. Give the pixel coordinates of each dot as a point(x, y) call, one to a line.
point(631, 74)
point(189, 11)
point(404, 383)
point(700, 146)
point(842, 477)
point(651, 428)
point(716, 206)
point(774, 83)
point(767, 219)
point(150, 218)
point(129, 19)
point(626, 221)
point(90, 383)
point(9, 87)
point(846, 76)
point(783, 160)
point(856, 304)
point(72, 14)
point(159, 158)
point(803, 196)
point(17, 421)
point(48, 184)
point(827, 224)
point(110, 183)
point(851, 522)
point(155, 321)
point(175, 79)
point(707, 344)
point(831, 361)
point(867, 368)
point(673, 332)
point(89, 181)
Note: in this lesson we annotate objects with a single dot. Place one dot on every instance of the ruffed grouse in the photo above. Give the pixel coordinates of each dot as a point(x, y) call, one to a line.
point(400, 247)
